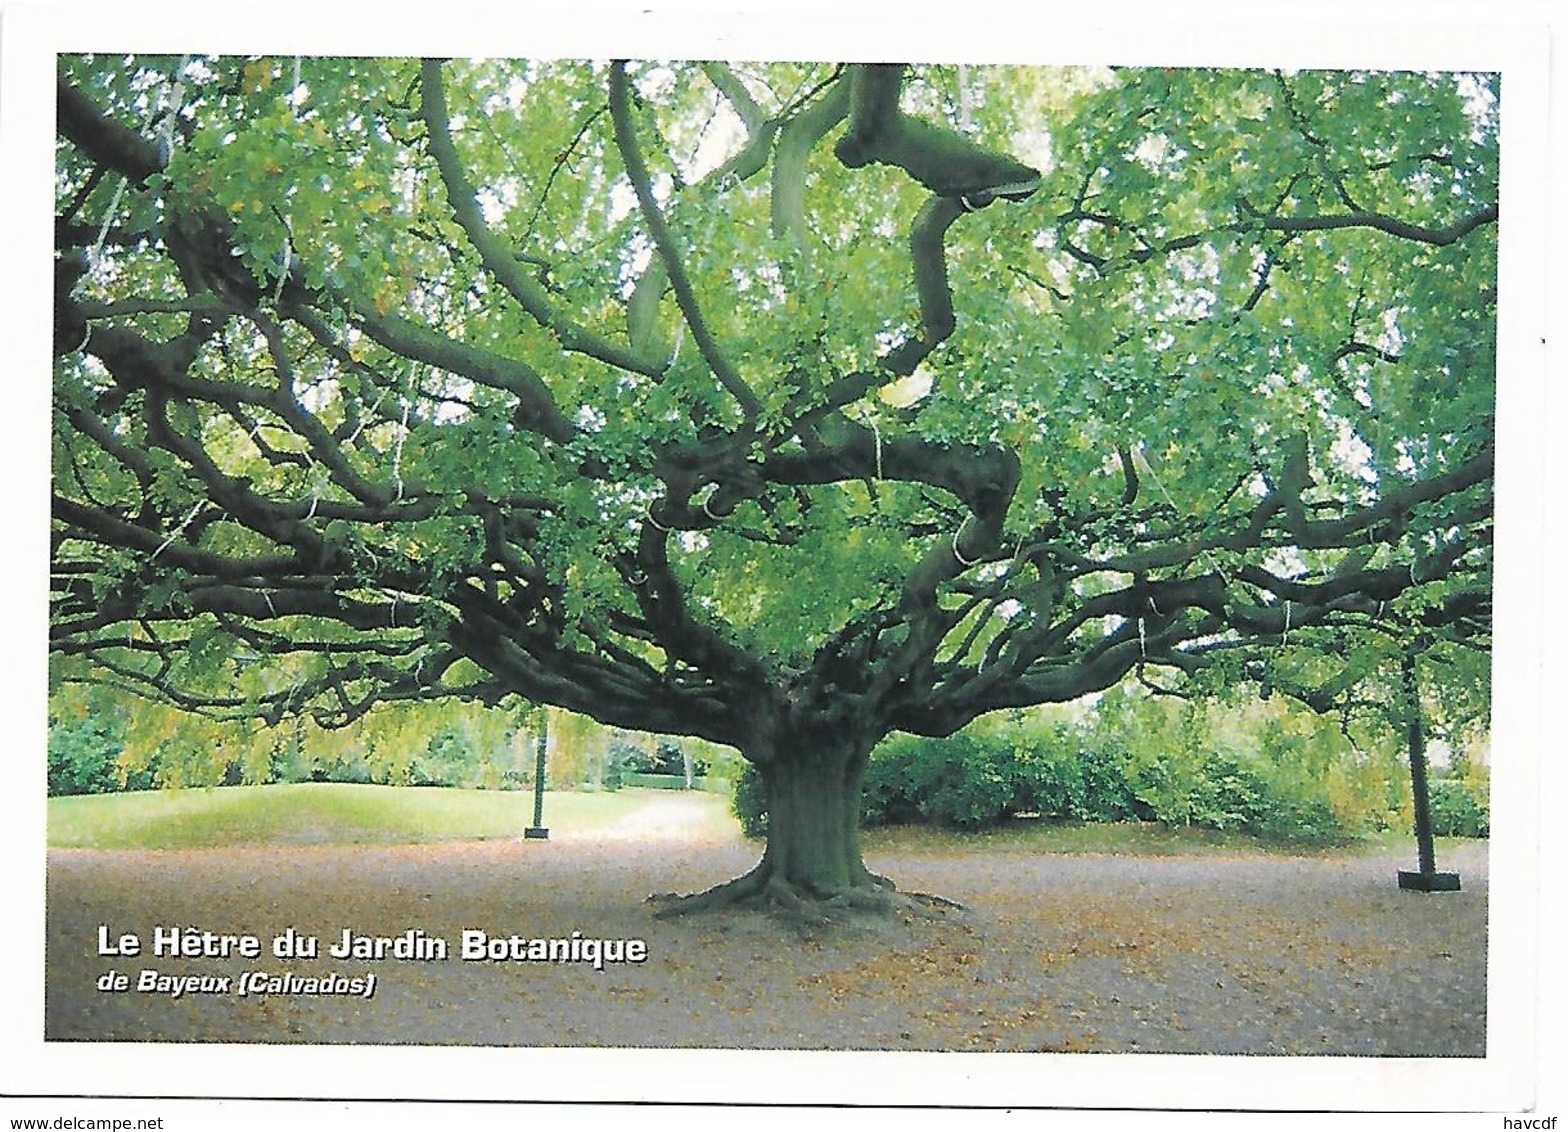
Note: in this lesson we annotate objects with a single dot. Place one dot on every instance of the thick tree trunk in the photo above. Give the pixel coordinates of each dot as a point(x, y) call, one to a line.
point(812, 858)
point(814, 820)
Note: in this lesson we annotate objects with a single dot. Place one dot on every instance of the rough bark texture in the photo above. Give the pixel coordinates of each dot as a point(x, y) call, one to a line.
point(814, 820)
point(812, 866)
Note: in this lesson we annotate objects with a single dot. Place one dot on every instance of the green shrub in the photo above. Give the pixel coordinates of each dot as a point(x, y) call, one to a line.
point(980, 777)
point(1160, 789)
point(749, 802)
point(1225, 794)
point(1458, 810)
point(1228, 791)
point(446, 761)
point(889, 792)
point(615, 774)
point(292, 763)
point(1046, 780)
point(968, 780)
point(341, 767)
point(623, 758)
point(1054, 776)
point(1304, 818)
point(1106, 794)
point(963, 781)
point(83, 758)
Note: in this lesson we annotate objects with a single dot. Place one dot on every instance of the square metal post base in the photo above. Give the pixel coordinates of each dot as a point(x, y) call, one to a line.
point(536, 833)
point(1428, 882)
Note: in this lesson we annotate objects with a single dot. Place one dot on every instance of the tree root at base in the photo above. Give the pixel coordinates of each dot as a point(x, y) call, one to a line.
point(801, 906)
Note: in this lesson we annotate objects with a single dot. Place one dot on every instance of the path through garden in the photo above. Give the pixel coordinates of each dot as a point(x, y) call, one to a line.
point(1212, 952)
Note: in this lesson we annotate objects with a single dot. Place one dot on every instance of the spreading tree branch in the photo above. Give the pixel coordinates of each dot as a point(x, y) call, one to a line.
point(664, 240)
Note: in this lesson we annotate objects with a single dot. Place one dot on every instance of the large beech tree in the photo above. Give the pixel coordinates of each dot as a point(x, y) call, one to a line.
point(779, 405)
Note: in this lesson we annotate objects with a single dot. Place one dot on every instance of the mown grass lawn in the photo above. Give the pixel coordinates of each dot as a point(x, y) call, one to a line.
point(327, 813)
point(330, 813)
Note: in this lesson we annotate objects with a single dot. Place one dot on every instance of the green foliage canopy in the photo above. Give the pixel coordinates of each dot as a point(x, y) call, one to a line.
point(614, 387)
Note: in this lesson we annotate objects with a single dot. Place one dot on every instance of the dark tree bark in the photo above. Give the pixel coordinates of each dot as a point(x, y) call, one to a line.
point(814, 813)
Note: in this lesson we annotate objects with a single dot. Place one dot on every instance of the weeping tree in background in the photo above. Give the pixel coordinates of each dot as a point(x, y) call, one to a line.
point(783, 406)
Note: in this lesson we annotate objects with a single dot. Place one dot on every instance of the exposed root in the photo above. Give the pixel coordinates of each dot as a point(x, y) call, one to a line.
point(934, 901)
point(861, 899)
point(878, 879)
point(726, 895)
point(799, 906)
point(801, 913)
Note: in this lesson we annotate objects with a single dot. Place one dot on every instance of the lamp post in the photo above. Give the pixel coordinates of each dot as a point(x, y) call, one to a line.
point(537, 831)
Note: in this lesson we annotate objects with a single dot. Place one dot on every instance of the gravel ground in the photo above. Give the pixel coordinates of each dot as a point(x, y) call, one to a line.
point(1211, 953)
